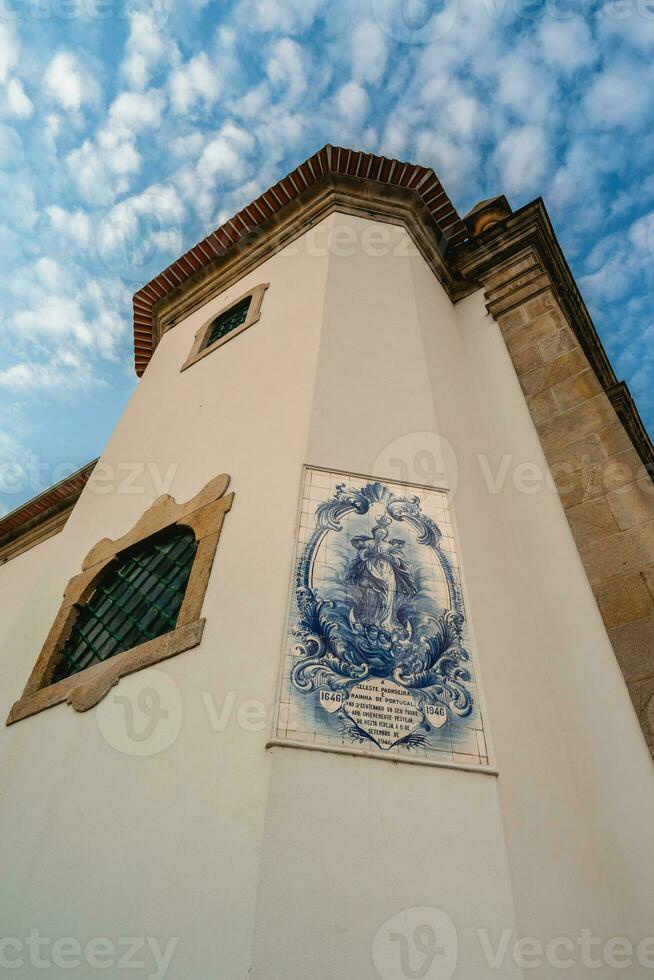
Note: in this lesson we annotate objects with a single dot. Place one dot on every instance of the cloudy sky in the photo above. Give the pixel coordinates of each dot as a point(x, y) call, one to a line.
point(112, 111)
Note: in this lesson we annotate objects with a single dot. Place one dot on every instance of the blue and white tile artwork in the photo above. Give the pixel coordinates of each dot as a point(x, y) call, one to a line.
point(378, 653)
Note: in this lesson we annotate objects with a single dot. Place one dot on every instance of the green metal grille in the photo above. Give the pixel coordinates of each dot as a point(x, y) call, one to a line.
point(229, 320)
point(137, 598)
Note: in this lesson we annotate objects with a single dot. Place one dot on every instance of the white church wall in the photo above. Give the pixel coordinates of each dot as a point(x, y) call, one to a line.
point(28, 574)
point(372, 389)
point(100, 842)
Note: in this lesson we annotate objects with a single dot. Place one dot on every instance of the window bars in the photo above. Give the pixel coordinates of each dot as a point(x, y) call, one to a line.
point(228, 321)
point(138, 598)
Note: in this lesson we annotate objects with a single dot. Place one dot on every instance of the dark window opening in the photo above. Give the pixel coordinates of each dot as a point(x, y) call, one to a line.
point(137, 598)
point(228, 321)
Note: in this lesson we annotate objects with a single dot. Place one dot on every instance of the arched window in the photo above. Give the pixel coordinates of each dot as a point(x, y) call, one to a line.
point(137, 598)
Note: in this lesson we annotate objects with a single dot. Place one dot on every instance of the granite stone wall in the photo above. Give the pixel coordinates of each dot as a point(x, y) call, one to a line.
point(604, 486)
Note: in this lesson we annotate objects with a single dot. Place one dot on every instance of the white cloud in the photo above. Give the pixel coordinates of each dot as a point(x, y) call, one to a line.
point(255, 103)
point(19, 208)
point(18, 104)
point(132, 112)
point(102, 169)
point(454, 162)
point(224, 163)
point(567, 44)
point(73, 225)
point(352, 103)
point(463, 115)
point(142, 234)
point(193, 82)
point(369, 53)
point(525, 87)
point(187, 146)
point(633, 24)
point(51, 130)
point(276, 142)
point(9, 51)
point(523, 159)
point(148, 47)
point(286, 69)
point(620, 96)
point(641, 236)
point(224, 156)
point(278, 16)
point(48, 272)
point(63, 308)
point(66, 371)
point(95, 180)
point(11, 147)
point(13, 454)
point(68, 83)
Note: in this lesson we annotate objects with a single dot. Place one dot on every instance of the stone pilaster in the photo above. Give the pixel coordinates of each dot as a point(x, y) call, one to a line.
point(599, 465)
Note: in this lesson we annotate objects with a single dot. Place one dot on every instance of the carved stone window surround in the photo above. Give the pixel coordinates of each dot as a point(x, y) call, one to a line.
point(204, 514)
point(200, 347)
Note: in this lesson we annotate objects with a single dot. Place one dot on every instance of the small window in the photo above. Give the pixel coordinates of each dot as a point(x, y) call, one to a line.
point(228, 321)
point(136, 601)
point(232, 320)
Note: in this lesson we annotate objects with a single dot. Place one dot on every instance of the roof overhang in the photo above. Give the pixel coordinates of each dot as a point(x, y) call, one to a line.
point(42, 516)
point(334, 179)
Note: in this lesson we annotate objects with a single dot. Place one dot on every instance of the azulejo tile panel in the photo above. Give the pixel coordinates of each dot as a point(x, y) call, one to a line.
point(377, 656)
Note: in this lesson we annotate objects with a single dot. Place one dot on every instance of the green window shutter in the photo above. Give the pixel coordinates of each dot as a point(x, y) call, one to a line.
point(137, 598)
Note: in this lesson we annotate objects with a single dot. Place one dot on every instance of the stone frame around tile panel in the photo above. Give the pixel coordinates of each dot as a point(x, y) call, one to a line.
point(204, 514)
point(199, 350)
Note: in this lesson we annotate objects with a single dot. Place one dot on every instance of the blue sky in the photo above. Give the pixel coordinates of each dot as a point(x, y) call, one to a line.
point(113, 112)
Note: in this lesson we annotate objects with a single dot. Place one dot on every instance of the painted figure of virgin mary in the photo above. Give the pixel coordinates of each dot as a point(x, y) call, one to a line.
point(382, 578)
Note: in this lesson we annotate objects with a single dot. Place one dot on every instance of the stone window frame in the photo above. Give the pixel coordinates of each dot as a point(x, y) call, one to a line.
point(204, 514)
point(200, 348)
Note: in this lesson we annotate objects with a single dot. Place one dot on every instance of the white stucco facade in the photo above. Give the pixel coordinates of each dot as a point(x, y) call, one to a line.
point(282, 863)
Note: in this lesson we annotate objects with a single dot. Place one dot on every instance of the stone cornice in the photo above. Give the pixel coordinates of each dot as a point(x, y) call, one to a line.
point(516, 259)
